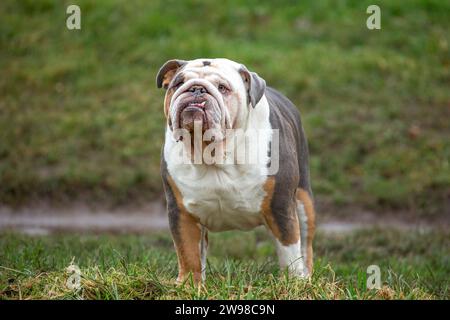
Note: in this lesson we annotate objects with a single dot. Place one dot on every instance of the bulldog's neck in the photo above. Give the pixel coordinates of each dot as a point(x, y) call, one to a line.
point(258, 117)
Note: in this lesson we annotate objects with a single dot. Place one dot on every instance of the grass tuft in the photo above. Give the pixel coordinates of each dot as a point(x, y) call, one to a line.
point(143, 267)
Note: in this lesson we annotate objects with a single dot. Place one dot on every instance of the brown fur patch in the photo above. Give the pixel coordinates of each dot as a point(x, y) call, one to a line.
point(305, 198)
point(168, 77)
point(167, 99)
point(187, 244)
point(288, 236)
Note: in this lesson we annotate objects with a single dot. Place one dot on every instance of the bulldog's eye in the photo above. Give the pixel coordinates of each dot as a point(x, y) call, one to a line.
point(222, 88)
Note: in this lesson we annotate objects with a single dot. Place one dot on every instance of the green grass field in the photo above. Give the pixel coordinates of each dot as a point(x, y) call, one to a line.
point(81, 118)
point(414, 265)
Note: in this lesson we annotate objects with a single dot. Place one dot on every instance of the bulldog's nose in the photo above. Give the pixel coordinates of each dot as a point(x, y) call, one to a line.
point(197, 90)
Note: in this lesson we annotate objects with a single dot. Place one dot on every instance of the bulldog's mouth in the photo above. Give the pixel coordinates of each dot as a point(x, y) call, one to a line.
point(193, 114)
point(196, 106)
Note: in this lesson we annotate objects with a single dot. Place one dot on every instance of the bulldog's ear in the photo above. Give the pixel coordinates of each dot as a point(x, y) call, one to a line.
point(167, 71)
point(255, 85)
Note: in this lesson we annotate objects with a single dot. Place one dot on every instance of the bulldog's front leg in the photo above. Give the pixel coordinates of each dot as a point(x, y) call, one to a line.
point(189, 237)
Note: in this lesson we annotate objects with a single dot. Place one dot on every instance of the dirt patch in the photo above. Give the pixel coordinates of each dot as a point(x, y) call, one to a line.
point(44, 219)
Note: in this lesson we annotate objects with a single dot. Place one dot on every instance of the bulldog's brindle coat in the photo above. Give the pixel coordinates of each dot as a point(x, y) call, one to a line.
point(223, 94)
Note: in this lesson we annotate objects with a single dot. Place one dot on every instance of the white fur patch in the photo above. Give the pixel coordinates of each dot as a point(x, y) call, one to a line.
point(303, 219)
point(290, 257)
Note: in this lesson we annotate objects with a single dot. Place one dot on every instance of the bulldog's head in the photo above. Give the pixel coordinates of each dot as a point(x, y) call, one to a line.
point(215, 94)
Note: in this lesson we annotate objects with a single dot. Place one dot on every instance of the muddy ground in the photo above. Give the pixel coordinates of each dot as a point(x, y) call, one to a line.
point(41, 219)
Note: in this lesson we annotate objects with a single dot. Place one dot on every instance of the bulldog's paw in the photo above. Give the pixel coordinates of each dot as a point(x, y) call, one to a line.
point(189, 278)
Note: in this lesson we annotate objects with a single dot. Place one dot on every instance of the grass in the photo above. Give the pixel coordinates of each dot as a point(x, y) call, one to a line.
point(81, 117)
point(413, 264)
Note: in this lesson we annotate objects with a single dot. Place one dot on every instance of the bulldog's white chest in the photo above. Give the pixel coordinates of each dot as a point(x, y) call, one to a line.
point(222, 198)
point(225, 197)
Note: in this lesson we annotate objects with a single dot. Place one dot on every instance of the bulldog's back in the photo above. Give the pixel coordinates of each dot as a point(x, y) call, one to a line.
point(285, 117)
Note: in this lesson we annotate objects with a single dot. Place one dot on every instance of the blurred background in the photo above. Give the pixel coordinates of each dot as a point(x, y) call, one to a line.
point(81, 131)
point(81, 119)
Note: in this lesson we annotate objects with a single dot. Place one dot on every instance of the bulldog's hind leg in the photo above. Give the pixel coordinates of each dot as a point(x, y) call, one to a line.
point(283, 224)
point(290, 258)
point(306, 215)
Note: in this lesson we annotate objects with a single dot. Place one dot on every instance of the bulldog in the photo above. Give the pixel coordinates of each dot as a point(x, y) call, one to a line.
point(217, 98)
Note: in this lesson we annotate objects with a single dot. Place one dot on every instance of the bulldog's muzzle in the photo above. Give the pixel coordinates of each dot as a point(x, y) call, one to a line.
point(198, 104)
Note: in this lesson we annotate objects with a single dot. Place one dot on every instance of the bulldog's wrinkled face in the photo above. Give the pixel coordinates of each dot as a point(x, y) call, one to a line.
point(211, 94)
